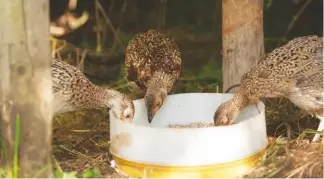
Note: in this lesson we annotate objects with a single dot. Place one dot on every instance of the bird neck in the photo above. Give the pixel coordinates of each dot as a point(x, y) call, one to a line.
point(239, 100)
point(106, 97)
point(161, 80)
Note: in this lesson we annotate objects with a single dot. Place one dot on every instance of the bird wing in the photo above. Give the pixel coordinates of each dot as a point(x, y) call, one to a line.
point(310, 69)
point(285, 67)
point(309, 78)
point(137, 63)
point(150, 52)
point(62, 75)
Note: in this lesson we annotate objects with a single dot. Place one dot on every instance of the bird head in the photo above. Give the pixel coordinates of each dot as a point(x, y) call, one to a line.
point(154, 100)
point(122, 107)
point(228, 111)
point(225, 114)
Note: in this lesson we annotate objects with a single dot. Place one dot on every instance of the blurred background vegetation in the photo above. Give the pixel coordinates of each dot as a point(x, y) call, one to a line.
point(98, 46)
point(195, 25)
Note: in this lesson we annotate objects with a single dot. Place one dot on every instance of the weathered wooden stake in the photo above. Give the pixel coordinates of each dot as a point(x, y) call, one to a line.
point(26, 85)
point(243, 41)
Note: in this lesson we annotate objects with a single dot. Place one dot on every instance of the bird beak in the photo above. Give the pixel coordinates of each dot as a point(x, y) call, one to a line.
point(150, 115)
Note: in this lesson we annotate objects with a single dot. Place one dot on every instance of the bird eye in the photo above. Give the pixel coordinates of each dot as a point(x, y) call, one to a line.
point(127, 114)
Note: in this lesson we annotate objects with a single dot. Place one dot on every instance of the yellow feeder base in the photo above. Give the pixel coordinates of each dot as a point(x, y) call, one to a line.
point(225, 170)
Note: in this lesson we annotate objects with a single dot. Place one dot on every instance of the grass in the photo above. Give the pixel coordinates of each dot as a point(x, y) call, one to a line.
point(296, 158)
point(13, 172)
point(81, 142)
point(81, 139)
point(291, 154)
point(16, 147)
point(81, 145)
point(59, 173)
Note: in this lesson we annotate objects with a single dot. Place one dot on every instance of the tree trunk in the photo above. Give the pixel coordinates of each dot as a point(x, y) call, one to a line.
point(242, 36)
point(26, 86)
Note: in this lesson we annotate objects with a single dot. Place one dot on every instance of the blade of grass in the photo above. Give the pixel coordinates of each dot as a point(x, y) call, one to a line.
point(16, 147)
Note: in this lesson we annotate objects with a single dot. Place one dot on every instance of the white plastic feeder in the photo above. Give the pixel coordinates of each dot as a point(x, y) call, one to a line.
point(141, 149)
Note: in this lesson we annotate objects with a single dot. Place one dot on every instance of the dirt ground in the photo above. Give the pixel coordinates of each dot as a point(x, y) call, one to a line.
point(81, 139)
point(81, 142)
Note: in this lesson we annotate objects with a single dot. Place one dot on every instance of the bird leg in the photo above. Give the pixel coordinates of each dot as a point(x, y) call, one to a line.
point(319, 129)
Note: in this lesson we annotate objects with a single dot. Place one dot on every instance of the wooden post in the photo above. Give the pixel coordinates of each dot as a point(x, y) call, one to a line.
point(242, 36)
point(26, 86)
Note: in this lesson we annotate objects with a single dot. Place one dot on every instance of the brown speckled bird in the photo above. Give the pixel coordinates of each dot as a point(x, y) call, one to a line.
point(72, 91)
point(153, 62)
point(294, 70)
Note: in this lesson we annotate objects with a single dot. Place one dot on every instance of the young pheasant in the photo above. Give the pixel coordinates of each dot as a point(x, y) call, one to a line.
point(294, 70)
point(73, 92)
point(153, 61)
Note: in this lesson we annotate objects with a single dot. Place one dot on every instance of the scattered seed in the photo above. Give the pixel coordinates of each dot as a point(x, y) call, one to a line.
point(192, 125)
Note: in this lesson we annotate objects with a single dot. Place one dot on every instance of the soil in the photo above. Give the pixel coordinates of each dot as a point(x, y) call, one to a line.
point(81, 142)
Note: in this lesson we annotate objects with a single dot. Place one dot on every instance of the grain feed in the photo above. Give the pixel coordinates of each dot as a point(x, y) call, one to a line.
point(192, 125)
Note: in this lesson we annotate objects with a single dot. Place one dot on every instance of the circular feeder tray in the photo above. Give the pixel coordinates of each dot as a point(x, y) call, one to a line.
point(154, 150)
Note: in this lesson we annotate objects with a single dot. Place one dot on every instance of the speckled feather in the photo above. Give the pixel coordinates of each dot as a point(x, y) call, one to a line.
point(152, 57)
point(73, 91)
point(294, 70)
point(296, 67)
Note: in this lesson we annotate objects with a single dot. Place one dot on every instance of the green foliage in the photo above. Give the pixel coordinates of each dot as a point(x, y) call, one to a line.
point(16, 147)
point(122, 71)
point(13, 173)
point(85, 43)
point(3, 173)
point(125, 37)
point(60, 174)
point(90, 173)
point(268, 3)
point(205, 80)
point(211, 70)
